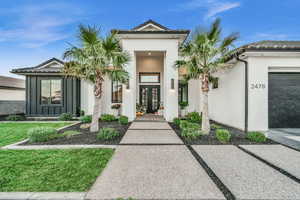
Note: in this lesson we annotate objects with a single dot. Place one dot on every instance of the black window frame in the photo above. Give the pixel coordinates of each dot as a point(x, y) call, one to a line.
point(183, 85)
point(50, 99)
point(148, 74)
point(113, 100)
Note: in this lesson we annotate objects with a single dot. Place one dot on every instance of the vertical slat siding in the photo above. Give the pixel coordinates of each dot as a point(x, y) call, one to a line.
point(70, 94)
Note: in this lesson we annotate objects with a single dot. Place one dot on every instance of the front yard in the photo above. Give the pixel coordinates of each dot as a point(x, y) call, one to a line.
point(14, 132)
point(51, 170)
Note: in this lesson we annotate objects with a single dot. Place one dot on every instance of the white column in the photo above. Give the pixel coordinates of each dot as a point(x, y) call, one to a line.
point(170, 95)
point(129, 95)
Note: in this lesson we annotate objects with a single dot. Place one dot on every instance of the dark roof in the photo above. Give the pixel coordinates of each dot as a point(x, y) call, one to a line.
point(39, 68)
point(9, 82)
point(267, 45)
point(164, 30)
point(150, 21)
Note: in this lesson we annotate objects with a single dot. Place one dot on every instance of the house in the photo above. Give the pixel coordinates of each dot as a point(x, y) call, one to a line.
point(12, 95)
point(259, 90)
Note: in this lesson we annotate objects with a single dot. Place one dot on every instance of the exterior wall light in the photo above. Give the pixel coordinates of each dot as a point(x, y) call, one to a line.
point(172, 84)
point(128, 85)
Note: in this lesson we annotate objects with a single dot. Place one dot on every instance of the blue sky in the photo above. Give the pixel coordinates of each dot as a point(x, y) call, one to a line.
point(32, 31)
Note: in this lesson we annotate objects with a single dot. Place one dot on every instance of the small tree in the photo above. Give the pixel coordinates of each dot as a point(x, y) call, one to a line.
point(95, 58)
point(204, 54)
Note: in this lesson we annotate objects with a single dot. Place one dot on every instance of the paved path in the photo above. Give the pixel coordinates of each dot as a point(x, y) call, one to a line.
point(286, 136)
point(153, 171)
point(278, 155)
point(245, 176)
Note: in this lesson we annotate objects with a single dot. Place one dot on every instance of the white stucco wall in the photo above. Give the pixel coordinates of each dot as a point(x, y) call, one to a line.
point(260, 64)
point(226, 103)
point(170, 47)
point(12, 95)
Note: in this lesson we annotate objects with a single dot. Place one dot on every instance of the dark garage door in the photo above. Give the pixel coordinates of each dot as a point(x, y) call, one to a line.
point(284, 100)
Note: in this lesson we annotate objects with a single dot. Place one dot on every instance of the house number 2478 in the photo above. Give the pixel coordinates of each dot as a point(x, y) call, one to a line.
point(257, 86)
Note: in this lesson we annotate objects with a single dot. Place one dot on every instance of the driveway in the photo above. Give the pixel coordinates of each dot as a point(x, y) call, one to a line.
point(286, 136)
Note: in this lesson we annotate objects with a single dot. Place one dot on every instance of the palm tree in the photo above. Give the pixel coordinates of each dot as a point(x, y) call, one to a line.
point(203, 54)
point(95, 58)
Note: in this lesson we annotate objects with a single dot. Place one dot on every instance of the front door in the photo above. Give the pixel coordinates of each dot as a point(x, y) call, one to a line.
point(150, 97)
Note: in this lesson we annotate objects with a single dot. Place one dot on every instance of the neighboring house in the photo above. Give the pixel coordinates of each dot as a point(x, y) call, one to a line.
point(12, 95)
point(265, 95)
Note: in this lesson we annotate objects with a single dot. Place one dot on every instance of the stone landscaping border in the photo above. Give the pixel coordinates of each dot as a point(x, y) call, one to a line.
point(42, 195)
point(18, 146)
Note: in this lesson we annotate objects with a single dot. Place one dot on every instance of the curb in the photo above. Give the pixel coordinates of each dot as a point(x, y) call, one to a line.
point(42, 195)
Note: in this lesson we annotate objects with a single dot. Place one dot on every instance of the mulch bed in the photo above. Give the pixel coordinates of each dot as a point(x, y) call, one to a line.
point(86, 137)
point(238, 137)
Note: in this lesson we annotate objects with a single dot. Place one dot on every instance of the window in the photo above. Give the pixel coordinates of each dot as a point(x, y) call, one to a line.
point(51, 92)
point(149, 77)
point(183, 91)
point(116, 96)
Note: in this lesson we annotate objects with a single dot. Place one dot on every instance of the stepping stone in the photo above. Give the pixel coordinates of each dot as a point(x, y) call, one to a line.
point(280, 156)
point(245, 176)
point(154, 172)
point(151, 137)
point(150, 125)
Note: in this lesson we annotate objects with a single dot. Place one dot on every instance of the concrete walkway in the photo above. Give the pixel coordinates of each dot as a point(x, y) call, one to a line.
point(245, 176)
point(153, 171)
point(286, 136)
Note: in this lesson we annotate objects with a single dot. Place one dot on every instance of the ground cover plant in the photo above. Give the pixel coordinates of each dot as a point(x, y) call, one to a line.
point(14, 132)
point(86, 119)
point(41, 134)
point(108, 118)
point(219, 134)
point(107, 134)
point(66, 117)
point(51, 170)
point(15, 118)
point(123, 120)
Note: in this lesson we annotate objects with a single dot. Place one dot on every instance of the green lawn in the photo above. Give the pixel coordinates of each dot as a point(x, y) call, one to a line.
point(14, 132)
point(51, 170)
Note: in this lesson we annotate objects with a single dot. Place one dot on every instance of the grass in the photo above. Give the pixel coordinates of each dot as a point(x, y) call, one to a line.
point(14, 132)
point(51, 170)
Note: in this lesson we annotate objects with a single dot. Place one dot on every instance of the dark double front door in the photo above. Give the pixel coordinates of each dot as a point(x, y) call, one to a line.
point(150, 97)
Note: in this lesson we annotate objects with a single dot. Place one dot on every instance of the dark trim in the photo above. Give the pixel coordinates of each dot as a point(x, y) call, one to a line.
point(180, 95)
point(112, 96)
point(185, 32)
point(149, 73)
point(150, 21)
point(246, 92)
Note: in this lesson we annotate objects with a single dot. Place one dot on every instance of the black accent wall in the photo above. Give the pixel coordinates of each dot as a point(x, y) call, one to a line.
point(70, 97)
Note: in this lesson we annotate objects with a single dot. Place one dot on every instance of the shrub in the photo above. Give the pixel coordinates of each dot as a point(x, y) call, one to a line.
point(194, 117)
point(41, 134)
point(190, 130)
point(183, 104)
point(81, 113)
point(216, 126)
point(70, 133)
point(66, 117)
point(256, 137)
point(15, 118)
point(223, 135)
point(183, 124)
point(176, 121)
point(107, 134)
point(108, 117)
point(86, 119)
point(123, 120)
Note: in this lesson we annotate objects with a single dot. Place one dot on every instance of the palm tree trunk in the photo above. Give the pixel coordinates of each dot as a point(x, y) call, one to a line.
point(97, 104)
point(205, 113)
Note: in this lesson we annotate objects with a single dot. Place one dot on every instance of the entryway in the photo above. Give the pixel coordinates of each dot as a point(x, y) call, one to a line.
point(150, 97)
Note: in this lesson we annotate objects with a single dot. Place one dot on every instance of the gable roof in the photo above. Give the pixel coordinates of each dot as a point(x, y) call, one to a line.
point(157, 29)
point(10, 82)
point(52, 65)
point(150, 22)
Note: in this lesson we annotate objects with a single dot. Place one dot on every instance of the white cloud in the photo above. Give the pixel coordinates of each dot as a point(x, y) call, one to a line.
point(212, 7)
point(35, 26)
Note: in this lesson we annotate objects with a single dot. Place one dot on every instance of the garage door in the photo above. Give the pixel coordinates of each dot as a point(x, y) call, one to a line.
point(284, 100)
